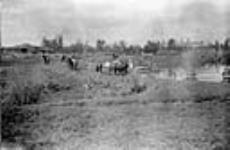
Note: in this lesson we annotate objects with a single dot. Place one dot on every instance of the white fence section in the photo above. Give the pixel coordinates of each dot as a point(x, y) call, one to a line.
point(205, 74)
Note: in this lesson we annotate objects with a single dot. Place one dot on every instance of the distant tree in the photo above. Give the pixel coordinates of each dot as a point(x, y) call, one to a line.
point(171, 44)
point(137, 49)
point(225, 58)
point(60, 42)
point(108, 48)
point(45, 42)
point(77, 47)
point(227, 43)
point(133, 49)
point(119, 47)
point(100, 44)
point(115, 48)
point(88, 48)
point(151, 47)
point(123, 46)
point(217, 45)
point(1, 53)
point(54, 44)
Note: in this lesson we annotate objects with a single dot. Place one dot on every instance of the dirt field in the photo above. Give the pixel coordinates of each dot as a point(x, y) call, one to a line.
point(53, 107)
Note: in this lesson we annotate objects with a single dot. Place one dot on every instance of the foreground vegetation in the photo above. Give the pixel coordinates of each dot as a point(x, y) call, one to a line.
point(53, 107)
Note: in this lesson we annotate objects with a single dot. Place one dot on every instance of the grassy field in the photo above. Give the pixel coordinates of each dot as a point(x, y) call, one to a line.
point(53, 107)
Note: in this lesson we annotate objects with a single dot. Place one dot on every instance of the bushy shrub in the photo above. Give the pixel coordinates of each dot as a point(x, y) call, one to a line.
point(138, 87)
point(15, 112)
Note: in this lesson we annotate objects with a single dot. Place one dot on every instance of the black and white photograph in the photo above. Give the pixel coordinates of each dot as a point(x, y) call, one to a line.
point(115, 74)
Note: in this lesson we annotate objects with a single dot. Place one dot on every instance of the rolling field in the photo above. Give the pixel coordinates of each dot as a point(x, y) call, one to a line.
point(52, 107)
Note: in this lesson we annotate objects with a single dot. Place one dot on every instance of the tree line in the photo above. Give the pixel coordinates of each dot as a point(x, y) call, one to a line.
point(151, 46)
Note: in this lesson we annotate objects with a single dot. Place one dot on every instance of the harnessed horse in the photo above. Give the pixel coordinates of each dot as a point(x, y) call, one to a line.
point(117, 67)
point(63, 58)
point(73, 63)
point(46, 59)
point(121, 68)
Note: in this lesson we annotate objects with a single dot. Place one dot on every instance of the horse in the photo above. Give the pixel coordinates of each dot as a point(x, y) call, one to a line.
point(46, 59)
point(116, 67)
point(121, 68)
point(63, 58)
point(73, 63)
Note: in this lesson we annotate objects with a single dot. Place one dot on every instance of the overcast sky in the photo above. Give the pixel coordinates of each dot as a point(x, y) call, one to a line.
point(134, 21)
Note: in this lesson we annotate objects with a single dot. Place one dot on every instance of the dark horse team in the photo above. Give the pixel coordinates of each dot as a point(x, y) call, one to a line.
point(116, 67)
point(46, 59)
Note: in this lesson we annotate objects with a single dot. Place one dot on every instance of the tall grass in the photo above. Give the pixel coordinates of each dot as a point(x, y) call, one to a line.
point(14, 115)
point(20, 89)
point(31, 84)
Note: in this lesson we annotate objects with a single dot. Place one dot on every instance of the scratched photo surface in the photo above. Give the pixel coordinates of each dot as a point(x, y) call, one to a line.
point(115, 74)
